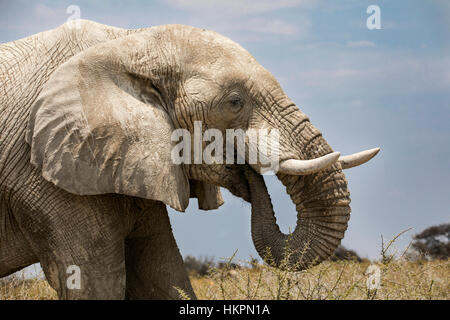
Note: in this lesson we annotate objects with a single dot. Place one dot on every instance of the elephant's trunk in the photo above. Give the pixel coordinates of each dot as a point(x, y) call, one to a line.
point(322, 203)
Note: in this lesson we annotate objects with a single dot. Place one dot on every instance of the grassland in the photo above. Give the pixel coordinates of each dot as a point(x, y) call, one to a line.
point(329, 280)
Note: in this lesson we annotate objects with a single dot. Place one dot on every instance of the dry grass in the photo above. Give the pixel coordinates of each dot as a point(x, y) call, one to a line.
point(400, 279)
point(17, 287)
point(329, 280)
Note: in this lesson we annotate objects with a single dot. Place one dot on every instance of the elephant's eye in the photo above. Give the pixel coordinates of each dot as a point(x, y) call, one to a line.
point(236, 102)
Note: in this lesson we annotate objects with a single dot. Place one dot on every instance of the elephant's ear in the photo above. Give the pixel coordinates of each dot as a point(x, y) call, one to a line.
point(100, 127)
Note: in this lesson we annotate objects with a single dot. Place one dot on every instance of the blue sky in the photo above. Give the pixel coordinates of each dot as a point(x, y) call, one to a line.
point(362, 88)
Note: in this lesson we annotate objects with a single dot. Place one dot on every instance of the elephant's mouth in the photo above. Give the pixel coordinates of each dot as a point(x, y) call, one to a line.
point(230, 177)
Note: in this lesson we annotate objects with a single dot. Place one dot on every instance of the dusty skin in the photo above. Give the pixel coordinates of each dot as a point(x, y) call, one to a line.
point(85, 167)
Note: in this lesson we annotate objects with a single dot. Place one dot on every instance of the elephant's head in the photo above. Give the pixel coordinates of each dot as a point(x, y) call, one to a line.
point(103, 124)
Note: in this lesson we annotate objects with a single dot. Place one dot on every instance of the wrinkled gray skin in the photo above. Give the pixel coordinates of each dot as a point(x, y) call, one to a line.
point(85, 173)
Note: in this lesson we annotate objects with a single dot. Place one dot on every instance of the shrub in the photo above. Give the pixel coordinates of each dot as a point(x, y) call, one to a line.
point(342, 253)
point(432, 243)
point(198, 266)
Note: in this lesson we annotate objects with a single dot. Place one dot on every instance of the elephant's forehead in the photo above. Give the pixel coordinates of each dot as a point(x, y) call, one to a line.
point(224, 68)
point(212, 56)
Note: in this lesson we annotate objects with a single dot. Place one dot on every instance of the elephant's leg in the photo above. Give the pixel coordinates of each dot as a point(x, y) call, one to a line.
point(66, 230)
point(15, 252)
point(96, 277)
point(154, 263)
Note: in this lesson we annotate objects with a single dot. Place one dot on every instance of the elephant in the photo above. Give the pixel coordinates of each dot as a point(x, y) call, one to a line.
point(86, 171)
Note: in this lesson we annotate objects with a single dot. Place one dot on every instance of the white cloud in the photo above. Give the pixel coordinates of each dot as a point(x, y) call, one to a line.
point(45, 12)
point(344, 73)
point(362, 43)
point(239, 6)
point(265, 25)
point(322, 75)
point(236, 16)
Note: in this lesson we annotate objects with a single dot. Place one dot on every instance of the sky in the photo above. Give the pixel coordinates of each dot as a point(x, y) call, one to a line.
point(362, 88)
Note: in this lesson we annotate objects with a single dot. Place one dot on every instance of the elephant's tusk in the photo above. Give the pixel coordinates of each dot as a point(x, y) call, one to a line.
point(305, 167)
point(357, 159)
